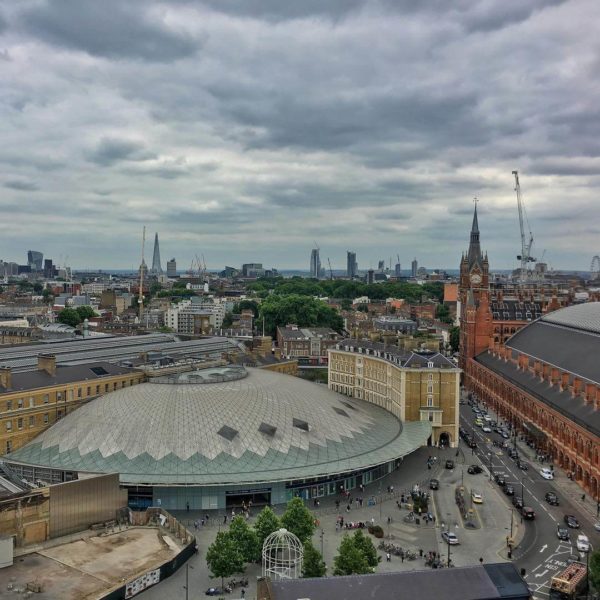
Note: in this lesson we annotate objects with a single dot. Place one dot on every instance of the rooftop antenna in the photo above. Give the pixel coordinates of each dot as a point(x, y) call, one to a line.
point(141, 294)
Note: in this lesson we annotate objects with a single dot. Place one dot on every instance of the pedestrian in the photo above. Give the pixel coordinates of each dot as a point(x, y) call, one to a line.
point(391, 489)
point(421, 552)
point(337, 504)
point(337, 526)
point(224, 519)
point(356, 502)
point(372, 520)
point(348, 508)
point(196, 524)
point(583, 497)
point(402, 556)
point(398, 503)
point(206, 518)
point(360, 500)
point(187, 506)
point(388, 557)
point(243, 592)
point(202, 522)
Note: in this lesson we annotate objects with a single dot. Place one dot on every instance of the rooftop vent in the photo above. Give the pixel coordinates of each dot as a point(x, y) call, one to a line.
point(99, 370)
point(227, 432)
point(300, 424)
point(268, 429)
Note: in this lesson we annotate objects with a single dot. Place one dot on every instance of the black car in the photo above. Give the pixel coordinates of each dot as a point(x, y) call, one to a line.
point(449, 464)
point(521, 465)
point(562, 533)
point(509, 490)
point(472, 444)
point(551, 498)
point(517, 501)
point(213, 592)
point(571, 522)
point(474, 470)
point(513, 454)
point(434, 484)
point(528, 512)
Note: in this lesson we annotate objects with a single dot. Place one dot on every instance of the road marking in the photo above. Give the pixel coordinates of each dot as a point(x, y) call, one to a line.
point(543, 548)
point(542, 573)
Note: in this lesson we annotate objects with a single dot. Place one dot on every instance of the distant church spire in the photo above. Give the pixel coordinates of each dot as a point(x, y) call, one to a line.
point(474, 255)
point(156, 268)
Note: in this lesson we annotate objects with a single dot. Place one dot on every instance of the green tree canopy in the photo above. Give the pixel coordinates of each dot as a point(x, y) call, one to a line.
point(86, 312)
point(266, 523)
point(223, 557)
point(365, 545)
point(455, 339)
point(245, 538)
point(304, 311)
point(38, 288)
point(238, 307)
point(443, 313)
point(350, 559)
point(227, 320)
point(298, 519)
point(69, 316)
point(594, 573)
point(313, 564)
point(47, 294)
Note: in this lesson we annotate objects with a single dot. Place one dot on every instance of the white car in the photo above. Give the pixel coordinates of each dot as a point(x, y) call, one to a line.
point(476, 497)
point(583, 543)
point(449, 538)
point(546, 473)
point(486, 429)
point(597, 526)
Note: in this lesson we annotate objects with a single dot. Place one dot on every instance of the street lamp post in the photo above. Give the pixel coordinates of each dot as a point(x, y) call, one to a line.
point(322, 536)
point(186, 587)
point(490, 457)
point(380, 502)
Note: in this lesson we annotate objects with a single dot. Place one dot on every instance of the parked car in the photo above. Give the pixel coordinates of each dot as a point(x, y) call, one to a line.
point(499, 478)
point(509, 490)
point(517, 502)
point(546, 473)
point(434, 484)
point(476, 497)
point(583, 543)
point(486, 429)
point(562, 533)
point(551, 498)
point(528, 512)
point(213, 591)
point(571, 521)
point(449, 464)
point(521, 465)
point(597, 525)
point(504, 434)
point(474, 470)
point(449, 538)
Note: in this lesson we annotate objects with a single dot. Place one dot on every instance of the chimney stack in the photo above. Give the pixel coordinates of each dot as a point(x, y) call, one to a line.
point(47, 362)
point(6, 377)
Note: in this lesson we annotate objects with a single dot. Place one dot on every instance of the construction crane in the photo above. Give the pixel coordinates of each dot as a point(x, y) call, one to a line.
point(525, 256)
point(141, 292)
point(330, 271)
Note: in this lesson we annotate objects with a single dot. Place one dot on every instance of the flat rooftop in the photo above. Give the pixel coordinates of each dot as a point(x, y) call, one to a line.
point(89, 567)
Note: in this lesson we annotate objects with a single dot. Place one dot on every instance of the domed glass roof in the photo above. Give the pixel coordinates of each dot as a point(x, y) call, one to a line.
point(263, 427)
point(579, 316)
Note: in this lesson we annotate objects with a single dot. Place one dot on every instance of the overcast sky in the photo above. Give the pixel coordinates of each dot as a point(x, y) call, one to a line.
point(245, 129)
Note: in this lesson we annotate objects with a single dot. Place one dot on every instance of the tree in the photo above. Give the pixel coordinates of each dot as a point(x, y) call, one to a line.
point(227, 320)
point(47, 295)
point(455, 339)
point(69, 316)
point(266, 523)
point(86, 312)
point(365, 545)
point(594, 573)
point(155, 287)
point(313, 564)
point(223, 557)
point(245, 538)
point(245, 305)
point(350, 559)
point(298, 519)
point(346, 304)
point(38, 288)
point(442, 312)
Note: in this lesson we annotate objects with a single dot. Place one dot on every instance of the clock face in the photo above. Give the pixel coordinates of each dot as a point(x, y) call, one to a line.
point(476, 278)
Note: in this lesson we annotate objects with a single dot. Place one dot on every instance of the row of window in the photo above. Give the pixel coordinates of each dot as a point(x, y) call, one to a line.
point(31, 421)
point(21, 402)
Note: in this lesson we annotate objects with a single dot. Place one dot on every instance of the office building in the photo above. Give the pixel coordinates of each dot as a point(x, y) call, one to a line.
point(156, 266)
point(35, 260)
point(351, 264)
point(417, 385)
point(398, 270)
point(414, 267)
point(315, 263)
point(252, 270)
point(370, 276)
point(49, 270)
point(307, 344)
point(172, 268)
point(381, 265)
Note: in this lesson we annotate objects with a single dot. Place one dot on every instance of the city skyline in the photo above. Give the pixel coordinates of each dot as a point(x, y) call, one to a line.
point(245, 132)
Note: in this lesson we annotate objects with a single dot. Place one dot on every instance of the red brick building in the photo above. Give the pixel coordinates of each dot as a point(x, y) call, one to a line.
point(543, 377)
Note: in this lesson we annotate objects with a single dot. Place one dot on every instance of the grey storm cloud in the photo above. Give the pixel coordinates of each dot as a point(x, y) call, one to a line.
point(21, 186)
point(248, 129)
point(111, 29)
point(111, 150)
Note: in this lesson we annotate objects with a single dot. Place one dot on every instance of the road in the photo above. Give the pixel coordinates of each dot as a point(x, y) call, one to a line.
point(539, 552)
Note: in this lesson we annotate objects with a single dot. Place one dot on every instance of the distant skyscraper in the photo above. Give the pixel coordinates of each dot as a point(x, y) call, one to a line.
point(398, 269)
point(35, 260)
point(351, 264)
point(370, 276)
point(315, 263)
point(171, 268)
point(156, 268)
point(381, 266)
point(414, 266)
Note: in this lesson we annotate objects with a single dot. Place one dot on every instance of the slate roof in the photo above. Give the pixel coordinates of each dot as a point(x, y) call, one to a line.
point(568, 338)
point(264, 427)
point(32, 380)
point(573, 408)
point(487, 582)
point(513, 310)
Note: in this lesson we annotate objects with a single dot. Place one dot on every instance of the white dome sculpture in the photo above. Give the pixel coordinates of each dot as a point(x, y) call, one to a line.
point(282, 555)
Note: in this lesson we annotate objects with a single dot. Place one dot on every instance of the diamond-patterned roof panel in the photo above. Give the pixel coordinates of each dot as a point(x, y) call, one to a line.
point(169, 433)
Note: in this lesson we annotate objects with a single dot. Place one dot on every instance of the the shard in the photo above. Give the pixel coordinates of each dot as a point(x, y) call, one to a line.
point(156, 268)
